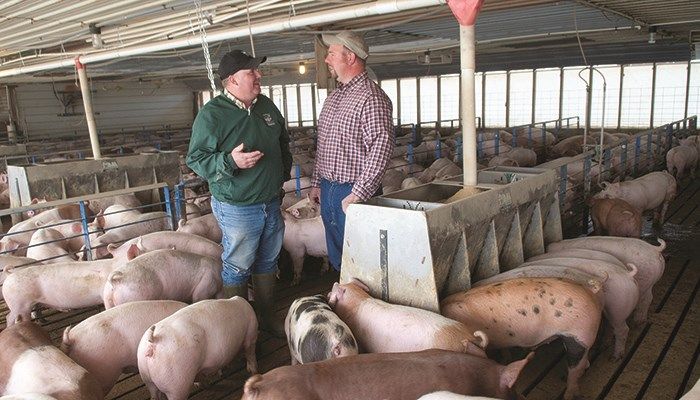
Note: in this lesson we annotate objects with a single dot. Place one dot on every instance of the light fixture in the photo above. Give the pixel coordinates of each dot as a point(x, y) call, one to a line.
point(96, 36)
point(652, 34)
point(302, 68)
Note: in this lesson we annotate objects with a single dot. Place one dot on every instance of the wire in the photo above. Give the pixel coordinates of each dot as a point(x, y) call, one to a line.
point(250, 29)
point(205, 46)
point(578, 38)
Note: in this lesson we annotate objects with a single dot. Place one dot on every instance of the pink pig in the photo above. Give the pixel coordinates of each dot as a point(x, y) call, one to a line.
point(91, 343)
point(615, 217)
point(167, 240)
point(527, 312)
point(647, 258)
point(380, 327)
point(198, 339)
point(164, 275)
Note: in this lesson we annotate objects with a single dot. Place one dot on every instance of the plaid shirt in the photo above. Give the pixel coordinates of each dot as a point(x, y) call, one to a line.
point(355, 136)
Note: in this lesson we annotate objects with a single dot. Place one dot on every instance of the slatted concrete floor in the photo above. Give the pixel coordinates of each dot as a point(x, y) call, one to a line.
point(661, 361)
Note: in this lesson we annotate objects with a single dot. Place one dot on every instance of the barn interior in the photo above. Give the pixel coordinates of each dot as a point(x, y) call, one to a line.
point(100, 97)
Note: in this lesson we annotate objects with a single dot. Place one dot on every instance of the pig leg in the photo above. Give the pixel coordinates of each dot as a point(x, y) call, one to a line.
point(20, 309)
point(325, 266)
point(249, 347)
point(577, 362)
point(620, 330)
point(642, 309)
point(297, 265)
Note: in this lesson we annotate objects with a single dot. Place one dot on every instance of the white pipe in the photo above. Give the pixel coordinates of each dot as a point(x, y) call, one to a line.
point(468, 67)
point(21, 13)
point(36, 21)
point(179, 30)
point(87, 105)
point(339, 14)
point(68, 23)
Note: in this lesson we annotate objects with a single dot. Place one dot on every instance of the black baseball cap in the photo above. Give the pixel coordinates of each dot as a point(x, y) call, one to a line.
point(236, 60)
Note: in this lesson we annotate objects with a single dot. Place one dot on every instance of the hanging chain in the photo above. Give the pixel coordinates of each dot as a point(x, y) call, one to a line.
point(205, 46)
point(250, 30)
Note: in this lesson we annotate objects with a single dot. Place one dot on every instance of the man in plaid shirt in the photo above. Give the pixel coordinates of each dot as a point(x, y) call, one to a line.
point(355, 138)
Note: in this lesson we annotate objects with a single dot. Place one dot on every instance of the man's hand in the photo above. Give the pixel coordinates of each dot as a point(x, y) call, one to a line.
point(245, 160)
point(350, 199)
point(315, 195)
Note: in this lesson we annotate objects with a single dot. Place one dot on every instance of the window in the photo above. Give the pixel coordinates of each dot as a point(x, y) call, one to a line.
point(292, 105)
point(389, 87)
point(495, 99)
point(305, 104)
point(612, 96)
point(277, 98)
point(449, 100)
point(547, 95)
point(669, 96)
point(574, 94)
point(520, 107)
point(409, 103)
point(636, 97)
point(428, 101)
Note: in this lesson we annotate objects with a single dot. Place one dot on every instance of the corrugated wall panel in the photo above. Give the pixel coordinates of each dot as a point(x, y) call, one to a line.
point(119, 106)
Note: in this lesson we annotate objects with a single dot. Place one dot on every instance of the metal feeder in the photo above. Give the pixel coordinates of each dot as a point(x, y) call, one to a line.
point(66, 179)
point(415, 246)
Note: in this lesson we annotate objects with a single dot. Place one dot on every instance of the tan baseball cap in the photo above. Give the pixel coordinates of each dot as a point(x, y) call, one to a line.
point(353, 41)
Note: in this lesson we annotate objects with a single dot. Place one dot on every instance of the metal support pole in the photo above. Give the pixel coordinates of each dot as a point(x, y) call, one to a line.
point(653, 94)
point(619, 99)
point(86, 232)
point(687, 94)
point(87, 105)
point(439, 100)
point(468, 65)
point(507, 98)
point(561, 95)
point(534, 94)
point(169, 207)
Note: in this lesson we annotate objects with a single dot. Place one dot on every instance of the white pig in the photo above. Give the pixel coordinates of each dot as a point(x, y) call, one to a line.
point(647, 258)
point(302, 237)
point(205, 226)
point(380, 327)
point(164, 275)
point(167, 240)
point(62, 286)
point(198, 339)
point(653, 191)
point(105, 344)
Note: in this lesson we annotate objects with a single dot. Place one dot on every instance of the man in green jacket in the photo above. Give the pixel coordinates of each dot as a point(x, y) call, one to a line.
point(240, 145)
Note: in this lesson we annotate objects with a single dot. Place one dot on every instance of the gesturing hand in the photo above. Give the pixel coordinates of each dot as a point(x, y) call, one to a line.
point(245, 160)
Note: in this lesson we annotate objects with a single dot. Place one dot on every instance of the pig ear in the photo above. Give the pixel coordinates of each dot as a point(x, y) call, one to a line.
point(132, 252)
point(512, 371)
point(181, 223)
point(335, 351)
point(335, 295)
point(359, 284)
point(250, 389)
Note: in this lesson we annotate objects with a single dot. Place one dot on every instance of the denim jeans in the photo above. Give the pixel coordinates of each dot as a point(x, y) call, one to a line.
point(252, 239)
point(332, 195)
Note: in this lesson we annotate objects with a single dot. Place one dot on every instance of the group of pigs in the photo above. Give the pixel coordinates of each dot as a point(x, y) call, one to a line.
point(147, 264)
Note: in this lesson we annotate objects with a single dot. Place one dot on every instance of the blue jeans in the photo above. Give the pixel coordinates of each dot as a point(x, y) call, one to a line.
point(252, 239)
point(332, 195)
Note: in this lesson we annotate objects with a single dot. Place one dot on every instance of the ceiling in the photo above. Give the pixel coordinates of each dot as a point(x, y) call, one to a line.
point(40, 38)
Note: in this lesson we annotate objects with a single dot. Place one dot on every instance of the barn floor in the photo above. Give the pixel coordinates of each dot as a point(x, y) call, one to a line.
point(661, 361)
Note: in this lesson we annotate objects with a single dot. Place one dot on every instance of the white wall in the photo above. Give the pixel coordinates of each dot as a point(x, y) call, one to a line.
point(119, 106)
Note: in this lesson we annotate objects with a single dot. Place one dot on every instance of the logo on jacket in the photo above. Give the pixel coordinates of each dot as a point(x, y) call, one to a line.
point(268, 119)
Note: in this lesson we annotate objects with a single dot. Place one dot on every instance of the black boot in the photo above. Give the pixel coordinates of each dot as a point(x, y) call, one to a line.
point(264, 288)
point(236, 290)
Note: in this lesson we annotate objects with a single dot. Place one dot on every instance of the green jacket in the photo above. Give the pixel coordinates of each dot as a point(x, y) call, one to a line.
point(219, 127)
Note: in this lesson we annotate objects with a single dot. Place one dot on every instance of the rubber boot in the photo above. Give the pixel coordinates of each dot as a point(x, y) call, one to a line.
point(236, 290)
point(264, 288)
